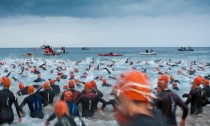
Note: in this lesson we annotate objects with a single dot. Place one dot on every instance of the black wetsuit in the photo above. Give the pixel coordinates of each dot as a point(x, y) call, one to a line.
point(48, 95)
point(76, 95)
point(144, 120)
point(167, 103)
point(195, 97)
point(73, 111)
point(24, 91)
point(34, 102)
point(89, 103)
point(69, 121)
point(7, 98)
point(56, 89)
point(39, 80)
point(207, 92)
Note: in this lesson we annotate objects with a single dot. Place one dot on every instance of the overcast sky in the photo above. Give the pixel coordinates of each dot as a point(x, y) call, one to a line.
point(105, 23)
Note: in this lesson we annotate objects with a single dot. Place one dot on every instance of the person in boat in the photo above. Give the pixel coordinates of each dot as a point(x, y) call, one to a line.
point(147, 51)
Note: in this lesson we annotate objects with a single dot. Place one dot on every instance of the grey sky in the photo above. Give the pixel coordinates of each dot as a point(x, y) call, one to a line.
point(96, 23)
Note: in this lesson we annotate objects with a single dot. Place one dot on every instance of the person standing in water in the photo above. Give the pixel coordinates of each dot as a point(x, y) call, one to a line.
point(7, 98)
point(34, 101)
point(196, 97)
point(168, 101)
point(134, 96)
point(64, 117)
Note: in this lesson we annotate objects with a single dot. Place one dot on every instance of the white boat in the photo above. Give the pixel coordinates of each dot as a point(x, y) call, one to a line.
point(149, 53)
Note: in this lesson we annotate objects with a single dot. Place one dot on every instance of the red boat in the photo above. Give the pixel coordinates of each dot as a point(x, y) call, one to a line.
point(110, 54)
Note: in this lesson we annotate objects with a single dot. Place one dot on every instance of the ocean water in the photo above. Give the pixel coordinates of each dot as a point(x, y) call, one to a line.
point(165, 55)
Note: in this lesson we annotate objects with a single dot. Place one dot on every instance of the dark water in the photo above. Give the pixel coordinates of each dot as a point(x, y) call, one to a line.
point(78, 53)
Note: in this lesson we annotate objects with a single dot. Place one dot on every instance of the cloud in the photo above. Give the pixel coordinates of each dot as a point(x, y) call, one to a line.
point(102, 8)
point(130, 31)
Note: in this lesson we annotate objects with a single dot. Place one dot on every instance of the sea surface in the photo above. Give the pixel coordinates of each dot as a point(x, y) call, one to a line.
point(164, 55)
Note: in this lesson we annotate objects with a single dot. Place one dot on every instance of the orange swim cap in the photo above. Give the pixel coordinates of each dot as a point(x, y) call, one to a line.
point(61, 109)
point(88, 86)
point(197, 81)
point(65, 87)
point(104, 81)
point(68, 96)
point(71, 84)
point(164, 78)
point(52, 82)
point(171, 77)
point(58, 78)
point(30, 89)
point(46, 85)
point(93, 84)
point(21, 86)
point(6, 82)
point(206, 82)
point(135, 86)
point(77, 81)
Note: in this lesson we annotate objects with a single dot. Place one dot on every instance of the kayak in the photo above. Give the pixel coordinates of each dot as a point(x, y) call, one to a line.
point(110, 54)
point(150, 53)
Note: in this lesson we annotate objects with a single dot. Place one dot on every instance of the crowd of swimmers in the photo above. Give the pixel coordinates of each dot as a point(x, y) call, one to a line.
point(134, 101)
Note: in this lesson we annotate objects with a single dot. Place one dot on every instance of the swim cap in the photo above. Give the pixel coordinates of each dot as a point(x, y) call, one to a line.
point(77, 81)
point(21, 86)
point(135, 86)
point(6, 82)
point(65, 87)
point(88, 86)
point(30, 89)
point(46, 85)
point(164, 78)
point(93, 84)
point(58, 78)
point(71, 84)
point(68, 96)
point(206, 82)
point(197, 81)
point(171, 77)
point(104, 81)
point(61, 109)
point(52, 82)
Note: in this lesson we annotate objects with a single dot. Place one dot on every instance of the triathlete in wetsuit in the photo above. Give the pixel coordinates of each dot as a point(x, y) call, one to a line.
point(206, 89)
point(47, 93)
point(168, 101)
point(34, 101)
point(76, 94)
point(73, 110)
point(56, 89)
point(7, 98)
point(134, 96)
point(196, 97)
point(89, 101)
point(22, 90)
point(64, 119)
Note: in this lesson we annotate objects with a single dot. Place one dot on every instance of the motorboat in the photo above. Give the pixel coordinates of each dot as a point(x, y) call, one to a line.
point(149, 53)
point(85, 48)
point(186, 49)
